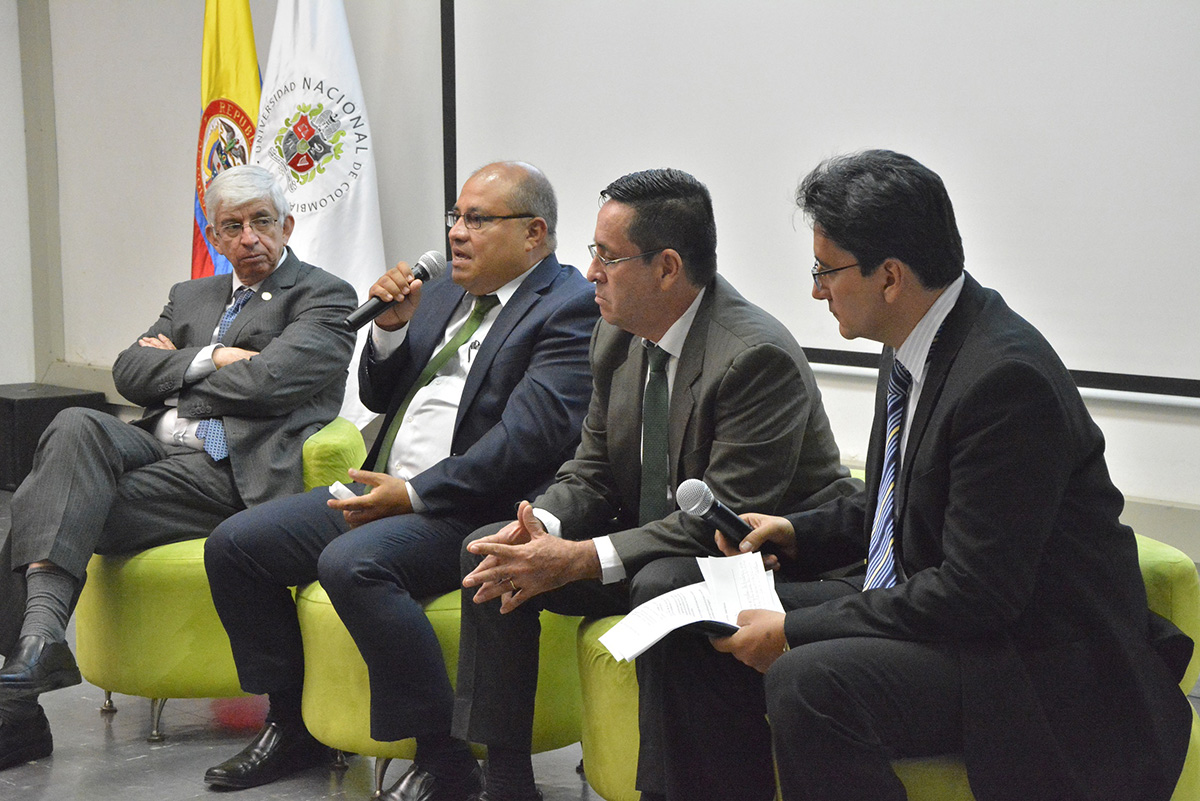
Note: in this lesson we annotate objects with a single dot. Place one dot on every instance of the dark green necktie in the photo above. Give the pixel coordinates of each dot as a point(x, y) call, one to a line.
point(483, 305)
point(655, 504)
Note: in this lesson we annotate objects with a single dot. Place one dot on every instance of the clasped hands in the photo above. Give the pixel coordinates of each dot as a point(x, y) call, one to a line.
point(523, 560)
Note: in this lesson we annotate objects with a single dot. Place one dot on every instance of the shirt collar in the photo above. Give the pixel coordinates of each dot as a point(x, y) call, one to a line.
point(914, 353)
point(505, 293)
point(672, 341)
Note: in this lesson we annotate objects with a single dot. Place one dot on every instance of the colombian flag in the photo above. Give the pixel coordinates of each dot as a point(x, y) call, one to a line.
point(229, 89)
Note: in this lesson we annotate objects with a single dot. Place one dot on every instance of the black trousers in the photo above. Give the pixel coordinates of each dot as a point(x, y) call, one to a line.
point(374, 574)
point(839, 711)
point(498, 655)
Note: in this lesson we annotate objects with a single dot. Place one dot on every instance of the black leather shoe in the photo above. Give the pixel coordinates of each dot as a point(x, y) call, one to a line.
point(418, 784)
point(276, 752)
point(36, 666)
point(25, 741)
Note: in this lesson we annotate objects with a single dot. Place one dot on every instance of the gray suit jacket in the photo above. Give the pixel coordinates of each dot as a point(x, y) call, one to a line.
point(745, 417)
point(269, 404)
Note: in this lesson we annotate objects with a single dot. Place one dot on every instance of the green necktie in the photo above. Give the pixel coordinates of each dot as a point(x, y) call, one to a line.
point(483, 305)
point(655, 504)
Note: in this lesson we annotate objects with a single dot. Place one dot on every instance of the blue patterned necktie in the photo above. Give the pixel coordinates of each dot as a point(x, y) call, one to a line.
point(655, 504)
point(881, 558)
point(212, 431)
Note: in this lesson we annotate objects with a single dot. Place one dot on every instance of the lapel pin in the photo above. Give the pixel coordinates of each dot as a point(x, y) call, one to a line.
point(266, 296)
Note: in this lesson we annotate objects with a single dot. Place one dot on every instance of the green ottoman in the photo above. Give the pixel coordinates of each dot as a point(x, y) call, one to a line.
point(145, 623)
point(337, 695)
point(610, 733)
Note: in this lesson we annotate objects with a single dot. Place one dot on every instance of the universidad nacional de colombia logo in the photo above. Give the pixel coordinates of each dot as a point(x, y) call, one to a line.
point(308, 141)
point(226, 132)
point(314, 134)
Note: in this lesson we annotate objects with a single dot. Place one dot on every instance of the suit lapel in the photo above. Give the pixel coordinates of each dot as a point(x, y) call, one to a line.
point(687, 373)
point(281, 279)
point(625, 404)
point(941, 358)
point(525, 298)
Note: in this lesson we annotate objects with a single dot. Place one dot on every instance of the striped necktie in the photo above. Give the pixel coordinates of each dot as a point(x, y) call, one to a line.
point(655, 503)
point(881, 558)
point(483, 305)
point(212, 431)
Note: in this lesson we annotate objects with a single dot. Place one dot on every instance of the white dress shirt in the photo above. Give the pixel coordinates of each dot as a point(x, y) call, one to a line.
point(427, 432)
point(172, 429)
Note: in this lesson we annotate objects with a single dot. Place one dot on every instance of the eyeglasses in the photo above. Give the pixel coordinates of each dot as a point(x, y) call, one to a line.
point(474, 222)
point(610, 262)
point(233, 230)
point(818, 271)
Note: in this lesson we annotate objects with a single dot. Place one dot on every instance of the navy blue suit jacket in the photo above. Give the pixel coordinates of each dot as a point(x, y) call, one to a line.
point(524, 400)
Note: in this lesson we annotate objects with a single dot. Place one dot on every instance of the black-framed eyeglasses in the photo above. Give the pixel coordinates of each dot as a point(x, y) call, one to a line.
point(474, 222)
point(818, 271)
point(233, 230)
point(592, 249)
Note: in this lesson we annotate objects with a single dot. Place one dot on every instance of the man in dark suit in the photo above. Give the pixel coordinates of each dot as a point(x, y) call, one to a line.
point(1003, 615)
point(740, 410)
point(234, 375)
point(484, 380)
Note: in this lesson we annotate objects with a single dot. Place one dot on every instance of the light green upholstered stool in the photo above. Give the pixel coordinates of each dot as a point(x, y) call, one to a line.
point(145, 623)
point(337, 695)
point(610, 733)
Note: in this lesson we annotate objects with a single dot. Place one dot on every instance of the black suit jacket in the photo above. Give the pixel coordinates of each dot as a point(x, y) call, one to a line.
point(524, 399)
point(1008, 534)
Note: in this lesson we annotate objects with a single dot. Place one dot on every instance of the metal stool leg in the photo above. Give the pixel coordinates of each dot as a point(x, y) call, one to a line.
point(156, 710)
point(381, 766)
point(107, 708)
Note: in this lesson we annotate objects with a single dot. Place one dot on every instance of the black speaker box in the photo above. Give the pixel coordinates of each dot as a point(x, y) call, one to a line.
point(25, 412)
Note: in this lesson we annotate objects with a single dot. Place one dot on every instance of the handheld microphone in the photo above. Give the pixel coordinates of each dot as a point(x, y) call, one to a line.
point(428, 267)
point(695, 498)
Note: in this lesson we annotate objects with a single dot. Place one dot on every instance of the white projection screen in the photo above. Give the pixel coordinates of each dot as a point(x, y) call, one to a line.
point(1067, 132)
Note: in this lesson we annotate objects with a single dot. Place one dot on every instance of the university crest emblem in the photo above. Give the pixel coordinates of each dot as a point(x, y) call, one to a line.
point(308, 141)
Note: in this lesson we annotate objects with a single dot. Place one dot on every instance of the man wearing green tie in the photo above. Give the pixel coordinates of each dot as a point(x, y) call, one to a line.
point(692, 381)
point(483, 380)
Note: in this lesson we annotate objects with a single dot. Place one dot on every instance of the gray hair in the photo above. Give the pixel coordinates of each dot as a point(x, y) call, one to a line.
point(244, 184)
point(533, 194)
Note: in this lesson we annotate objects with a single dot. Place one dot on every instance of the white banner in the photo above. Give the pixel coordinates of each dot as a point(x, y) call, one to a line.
point(314, 133)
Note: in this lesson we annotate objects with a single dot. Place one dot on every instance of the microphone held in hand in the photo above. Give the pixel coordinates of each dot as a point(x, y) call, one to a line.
point(697, 499)
point(428, 267)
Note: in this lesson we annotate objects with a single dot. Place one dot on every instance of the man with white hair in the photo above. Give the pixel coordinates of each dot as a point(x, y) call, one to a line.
point(237, 371)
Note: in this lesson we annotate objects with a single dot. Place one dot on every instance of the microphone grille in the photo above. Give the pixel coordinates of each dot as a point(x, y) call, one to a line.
point(433, 263)
point(694, 497)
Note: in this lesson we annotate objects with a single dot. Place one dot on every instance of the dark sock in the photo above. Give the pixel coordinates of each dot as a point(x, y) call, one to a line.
point(444, 756)
point(509, 775)
point(48, 594)
point(653, 796)
point(285, 708)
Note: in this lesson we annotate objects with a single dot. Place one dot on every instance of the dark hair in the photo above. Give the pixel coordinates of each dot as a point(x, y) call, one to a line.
point(879, 205)
point(671, 209)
